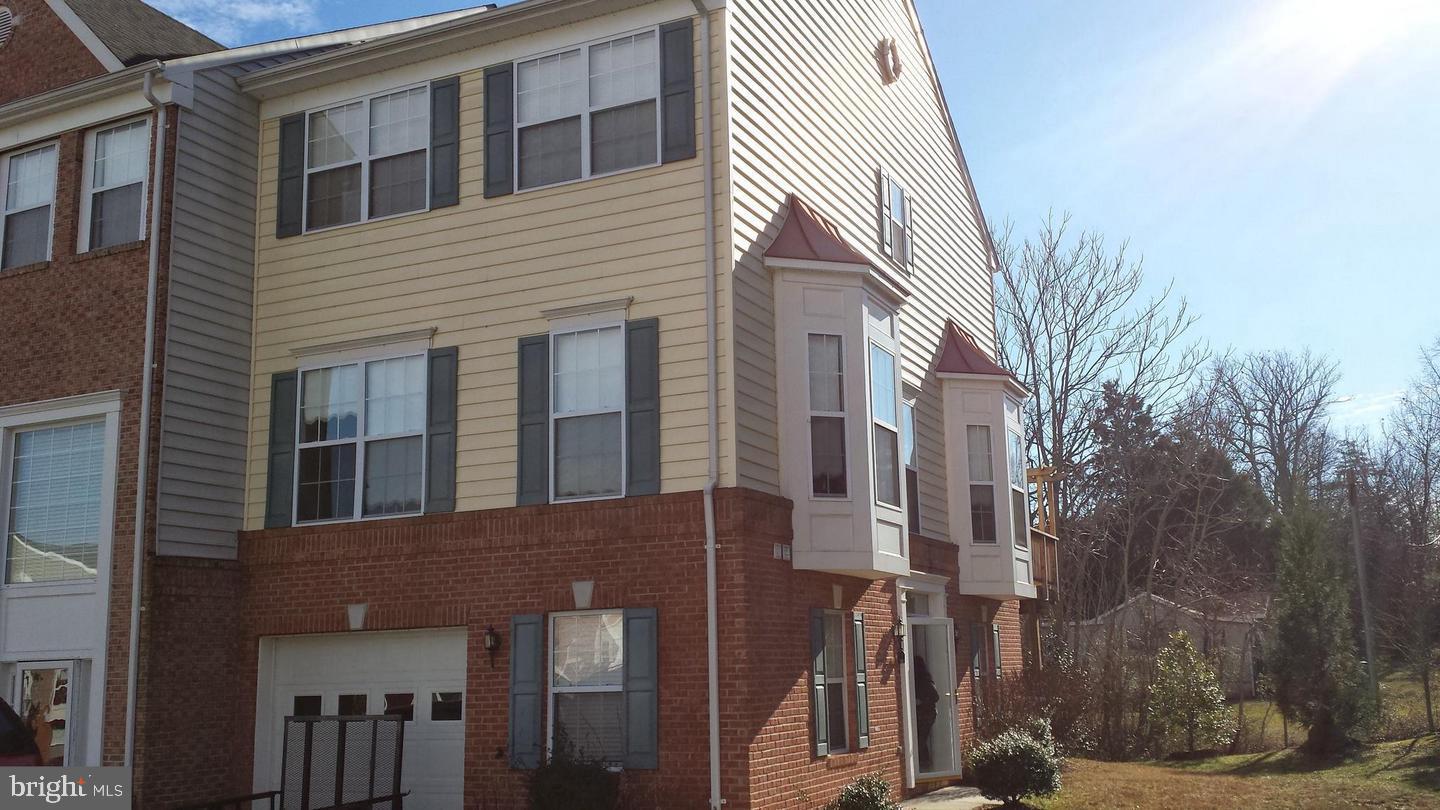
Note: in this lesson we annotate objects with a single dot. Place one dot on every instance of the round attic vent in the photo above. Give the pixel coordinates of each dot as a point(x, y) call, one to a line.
point(7, 24)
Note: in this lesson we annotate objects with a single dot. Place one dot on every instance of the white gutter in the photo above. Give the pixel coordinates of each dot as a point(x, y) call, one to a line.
point(712, 475)
point(157, 180)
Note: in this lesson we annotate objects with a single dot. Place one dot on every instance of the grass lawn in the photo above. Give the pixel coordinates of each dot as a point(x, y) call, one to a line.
point(1402, 775)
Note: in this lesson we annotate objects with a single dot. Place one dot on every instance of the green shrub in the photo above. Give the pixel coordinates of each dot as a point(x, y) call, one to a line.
point(1017, 763)
point(1187, 704)
point(869, 792)
point(568, 781)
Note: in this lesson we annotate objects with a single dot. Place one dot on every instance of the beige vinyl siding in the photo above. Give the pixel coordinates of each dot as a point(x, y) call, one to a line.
point(481, 273)
point(811, 116)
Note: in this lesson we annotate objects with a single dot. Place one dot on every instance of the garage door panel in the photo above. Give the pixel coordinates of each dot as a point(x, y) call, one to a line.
point(418, 663)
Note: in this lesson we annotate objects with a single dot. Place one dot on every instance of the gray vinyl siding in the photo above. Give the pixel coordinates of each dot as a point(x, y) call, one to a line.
point(809, 115)
point(201, 486)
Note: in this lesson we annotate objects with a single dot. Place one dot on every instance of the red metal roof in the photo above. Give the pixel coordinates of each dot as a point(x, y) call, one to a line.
point(959, 354)
point(808, 236)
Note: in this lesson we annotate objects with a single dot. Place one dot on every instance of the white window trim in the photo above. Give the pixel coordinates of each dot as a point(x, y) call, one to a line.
point(846, 675)
point(356, 359)
point(5, 213)
point(552, 690)
point(990, 452)
point(586, 113)
point(843, 414)
point(365, 159)
point(889, 344)
point(87, 193)
point(907, 259)
point(569, 326)
point(1023, 490)
point(58, 413)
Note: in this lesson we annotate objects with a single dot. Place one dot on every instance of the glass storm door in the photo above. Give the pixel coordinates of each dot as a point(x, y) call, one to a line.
point(931, 658)
point(43, 701)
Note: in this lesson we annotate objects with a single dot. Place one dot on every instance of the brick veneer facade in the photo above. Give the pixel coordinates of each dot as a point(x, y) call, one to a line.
point(477, 569)
point(42, 54)
point(76, 325)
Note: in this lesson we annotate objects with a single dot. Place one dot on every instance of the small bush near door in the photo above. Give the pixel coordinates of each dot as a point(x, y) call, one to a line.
point(866, 793)
point(567, 781)
point(1017, 763)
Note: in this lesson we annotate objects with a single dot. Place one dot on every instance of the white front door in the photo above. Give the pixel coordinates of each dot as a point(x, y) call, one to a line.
point(418, 674)
point(930, 664)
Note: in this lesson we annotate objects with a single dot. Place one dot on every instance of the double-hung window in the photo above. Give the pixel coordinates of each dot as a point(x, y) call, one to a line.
point(588, 111)
point(588, 413)
point(113, 204)
point(362, 439)
point(368, 159)
point(52, 520)
point(896, 231)
point(982, 484)
point(837, 725)
point(912, 465)
point(587, 686)
point(827, 416)
point(27, 203)
point(1019, 495)
point(886, 425)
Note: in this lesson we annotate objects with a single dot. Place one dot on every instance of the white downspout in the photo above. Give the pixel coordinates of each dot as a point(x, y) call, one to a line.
point(157, 180)
point(712, 476)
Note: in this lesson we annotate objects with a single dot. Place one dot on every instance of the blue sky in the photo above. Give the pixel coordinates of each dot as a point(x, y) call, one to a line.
point(1278, 160)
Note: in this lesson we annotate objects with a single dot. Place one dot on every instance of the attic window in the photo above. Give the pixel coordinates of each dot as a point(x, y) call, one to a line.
point(7, 24)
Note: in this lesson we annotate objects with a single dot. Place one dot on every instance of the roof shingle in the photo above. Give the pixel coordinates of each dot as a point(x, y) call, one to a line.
point(136, 33)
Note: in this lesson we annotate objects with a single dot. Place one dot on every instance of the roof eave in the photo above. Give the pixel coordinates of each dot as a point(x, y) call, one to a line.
point(77, 94)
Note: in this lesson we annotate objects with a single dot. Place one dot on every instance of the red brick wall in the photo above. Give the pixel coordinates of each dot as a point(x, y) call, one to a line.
point(477, 569)
point(42, 54)
point(76, 325)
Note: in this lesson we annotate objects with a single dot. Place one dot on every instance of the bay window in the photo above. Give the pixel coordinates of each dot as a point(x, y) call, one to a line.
point(362, 439)
point(886, 425)
point(27, 201)
point(587, 416)
point(982, 484)
point(827, 416)
point(367, 159)
point(587, 687)
point(115, 181)
point(52, 523)
point(588, 111)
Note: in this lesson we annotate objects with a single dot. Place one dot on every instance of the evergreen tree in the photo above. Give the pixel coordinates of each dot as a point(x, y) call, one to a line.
point(1317, 678)
point(1186, 702)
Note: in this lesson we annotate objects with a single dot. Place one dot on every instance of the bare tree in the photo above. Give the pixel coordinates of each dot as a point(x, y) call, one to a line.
point(1072, 317)
point(1277, 404)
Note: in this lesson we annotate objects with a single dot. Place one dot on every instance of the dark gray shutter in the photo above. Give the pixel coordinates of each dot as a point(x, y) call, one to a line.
point(677, 91)
point(440, 430)
point(642, 681)
point(499, 130)
point(819, 714)
point(290, 185)
point(526, 648)
point(862, 687)
point(532, 467)
point(280, 471)
point(445, 142)
point(642, 406)
point(977, 650)
point(995, 636)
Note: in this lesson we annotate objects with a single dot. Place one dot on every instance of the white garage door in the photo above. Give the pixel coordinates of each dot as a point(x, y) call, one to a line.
point(419, 674)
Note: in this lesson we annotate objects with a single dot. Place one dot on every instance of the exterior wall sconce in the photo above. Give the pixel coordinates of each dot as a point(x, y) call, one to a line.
point(491, 642)
point(355, 615)
point(898, 631)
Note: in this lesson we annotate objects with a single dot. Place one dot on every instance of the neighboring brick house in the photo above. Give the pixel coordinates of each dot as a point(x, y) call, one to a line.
point(96, 212)
point(612, 372)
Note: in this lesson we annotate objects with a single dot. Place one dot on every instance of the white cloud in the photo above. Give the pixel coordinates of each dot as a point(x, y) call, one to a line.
point(233, 22)
point(1364, 410)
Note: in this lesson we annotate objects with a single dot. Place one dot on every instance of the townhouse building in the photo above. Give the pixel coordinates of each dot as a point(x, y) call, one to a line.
point(612, 376)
